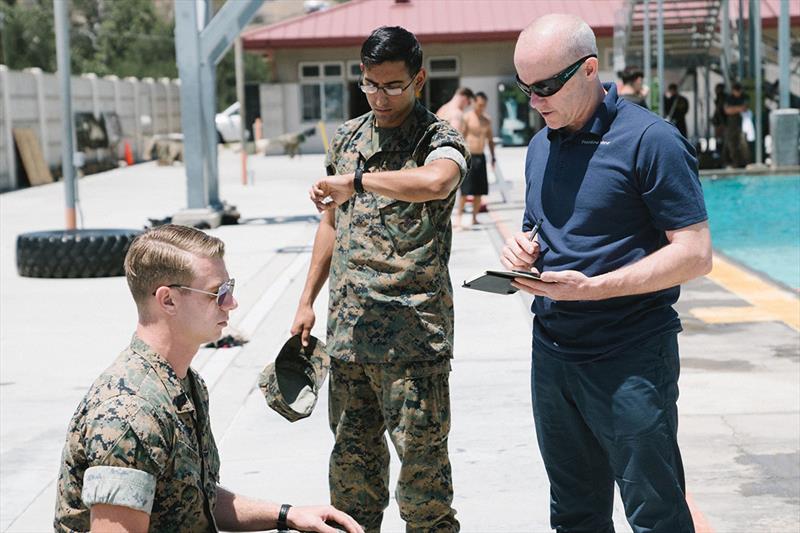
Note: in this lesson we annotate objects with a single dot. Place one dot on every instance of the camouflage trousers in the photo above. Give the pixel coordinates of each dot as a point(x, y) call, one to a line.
point(412, 402)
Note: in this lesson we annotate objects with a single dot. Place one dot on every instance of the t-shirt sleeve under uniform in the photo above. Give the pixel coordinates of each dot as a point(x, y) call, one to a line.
point(446, 143)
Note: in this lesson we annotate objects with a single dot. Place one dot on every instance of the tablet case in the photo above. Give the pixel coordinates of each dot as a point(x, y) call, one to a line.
point(496, 281)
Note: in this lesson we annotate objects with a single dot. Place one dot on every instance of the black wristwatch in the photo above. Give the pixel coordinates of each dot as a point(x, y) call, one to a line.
point(357, 177)
point(281, 524)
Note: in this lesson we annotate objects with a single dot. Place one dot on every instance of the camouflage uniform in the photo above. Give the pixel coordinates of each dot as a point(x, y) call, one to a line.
point(390, 328)
point(141, 438)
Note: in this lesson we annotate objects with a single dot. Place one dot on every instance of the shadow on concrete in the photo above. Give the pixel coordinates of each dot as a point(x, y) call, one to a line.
point(280, 219)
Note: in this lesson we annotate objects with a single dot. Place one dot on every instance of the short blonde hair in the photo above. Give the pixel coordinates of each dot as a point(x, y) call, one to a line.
point(163, 256)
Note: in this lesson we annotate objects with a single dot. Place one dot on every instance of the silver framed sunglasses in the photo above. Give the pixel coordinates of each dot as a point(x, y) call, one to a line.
point(224, 294)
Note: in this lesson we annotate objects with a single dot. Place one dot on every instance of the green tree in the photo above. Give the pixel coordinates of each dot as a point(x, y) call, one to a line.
point(120, 37)
point(27, 38)
point(125, 38)
point(255, 71)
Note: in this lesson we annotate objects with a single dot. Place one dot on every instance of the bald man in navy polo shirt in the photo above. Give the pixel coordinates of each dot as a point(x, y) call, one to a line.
point(623, 224)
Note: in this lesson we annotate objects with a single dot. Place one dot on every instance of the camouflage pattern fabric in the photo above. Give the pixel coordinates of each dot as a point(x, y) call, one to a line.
point(139, 415)
point(413, 404)
point(390, 293)
point(292, 382)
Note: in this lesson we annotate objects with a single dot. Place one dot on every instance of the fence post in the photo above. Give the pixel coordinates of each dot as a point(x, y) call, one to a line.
point(37, 74)
point(168, 101)
point(115, 84)
point(92, 77)
point(137, 116)
point(151, 87)
point(6, 103)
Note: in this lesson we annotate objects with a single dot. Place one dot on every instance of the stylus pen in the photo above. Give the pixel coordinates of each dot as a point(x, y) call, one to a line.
point(535, 229)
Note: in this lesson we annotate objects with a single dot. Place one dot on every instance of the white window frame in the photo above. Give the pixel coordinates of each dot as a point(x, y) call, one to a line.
point(349, 74)
point(321, 81)
point(608, 59)
point(455, 73)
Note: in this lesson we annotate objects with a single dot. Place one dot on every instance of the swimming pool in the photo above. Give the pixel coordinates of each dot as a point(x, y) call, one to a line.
point(756, 221)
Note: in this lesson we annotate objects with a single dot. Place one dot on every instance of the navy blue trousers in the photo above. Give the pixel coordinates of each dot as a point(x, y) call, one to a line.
point(612, 420)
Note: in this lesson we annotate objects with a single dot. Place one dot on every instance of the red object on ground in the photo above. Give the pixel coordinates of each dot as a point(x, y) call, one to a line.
point(128, 153)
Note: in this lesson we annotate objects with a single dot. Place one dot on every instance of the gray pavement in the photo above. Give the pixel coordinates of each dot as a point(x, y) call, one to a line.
point(740, 401)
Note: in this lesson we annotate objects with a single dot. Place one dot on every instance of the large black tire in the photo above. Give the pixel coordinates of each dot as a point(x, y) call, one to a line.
point(83, 253)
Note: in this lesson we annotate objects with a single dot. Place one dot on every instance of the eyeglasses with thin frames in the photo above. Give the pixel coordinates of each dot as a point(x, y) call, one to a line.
point(551, 86)
point(367, 88)
point(224, 294)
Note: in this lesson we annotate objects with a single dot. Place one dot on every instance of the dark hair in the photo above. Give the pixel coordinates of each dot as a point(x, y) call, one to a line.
point(672, 87)
point(482, 94)
point(392, 43)
point(466, 91)
point(736, 86)
point(631, 73)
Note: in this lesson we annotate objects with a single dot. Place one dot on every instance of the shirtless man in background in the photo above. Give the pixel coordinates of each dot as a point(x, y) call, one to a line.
point(453, 110)
point(477, 132)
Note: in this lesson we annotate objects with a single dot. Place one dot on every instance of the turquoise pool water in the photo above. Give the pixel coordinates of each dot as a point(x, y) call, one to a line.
point(756, 220)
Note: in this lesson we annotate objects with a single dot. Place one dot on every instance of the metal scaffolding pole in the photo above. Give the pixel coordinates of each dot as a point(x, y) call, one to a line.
point(239, 61)
point(696, 114)
point(740, 26)
point(726, 43)
point(660, 52)
point(709, 104)
point(759, 108)
point(201, 39)
point(61, 12)
point(646, 59)
point(784, 50)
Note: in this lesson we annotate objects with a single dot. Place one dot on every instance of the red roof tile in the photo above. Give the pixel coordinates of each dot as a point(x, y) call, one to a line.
point(432, 21)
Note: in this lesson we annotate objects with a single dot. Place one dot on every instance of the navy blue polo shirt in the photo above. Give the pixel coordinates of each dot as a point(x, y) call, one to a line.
point(606, 195)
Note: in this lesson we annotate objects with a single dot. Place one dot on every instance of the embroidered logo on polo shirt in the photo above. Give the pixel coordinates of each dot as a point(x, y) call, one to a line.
point(594, 141)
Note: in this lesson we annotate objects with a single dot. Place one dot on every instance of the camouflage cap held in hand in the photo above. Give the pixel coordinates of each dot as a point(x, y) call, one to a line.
point(292, 382)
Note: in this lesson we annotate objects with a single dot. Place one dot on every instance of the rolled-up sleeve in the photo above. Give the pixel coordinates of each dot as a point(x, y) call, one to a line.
point(448, 152)
point(115, 485)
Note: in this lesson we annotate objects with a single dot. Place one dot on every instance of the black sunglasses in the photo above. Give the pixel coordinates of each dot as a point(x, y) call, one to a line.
point(551, 86)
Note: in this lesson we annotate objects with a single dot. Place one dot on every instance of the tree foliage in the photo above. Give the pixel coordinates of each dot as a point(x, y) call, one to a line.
point(126, 38)
point(27, 38)
point(120, 37)
point(255, 71)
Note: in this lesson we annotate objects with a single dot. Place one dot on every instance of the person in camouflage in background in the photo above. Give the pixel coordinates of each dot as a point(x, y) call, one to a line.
point(140, 454)
point(384, 240)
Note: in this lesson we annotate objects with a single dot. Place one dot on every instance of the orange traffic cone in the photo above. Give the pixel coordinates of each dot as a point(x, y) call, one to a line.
point(128, 153)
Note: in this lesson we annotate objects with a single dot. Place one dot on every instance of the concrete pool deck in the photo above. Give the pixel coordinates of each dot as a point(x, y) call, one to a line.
point(740, 348)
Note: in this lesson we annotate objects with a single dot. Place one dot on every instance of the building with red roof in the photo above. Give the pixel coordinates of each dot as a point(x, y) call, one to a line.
point(315, 69)
point(315, 57)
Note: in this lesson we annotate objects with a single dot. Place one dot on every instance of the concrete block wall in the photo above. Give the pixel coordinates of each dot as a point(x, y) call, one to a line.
point(31, 99)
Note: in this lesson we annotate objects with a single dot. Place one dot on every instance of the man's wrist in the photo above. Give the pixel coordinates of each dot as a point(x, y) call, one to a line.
point(283, 515)
point(358, 186)
point(598, 287)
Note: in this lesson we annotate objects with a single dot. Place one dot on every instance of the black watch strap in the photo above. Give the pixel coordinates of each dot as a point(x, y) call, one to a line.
point(357, 177)
point(281, 524)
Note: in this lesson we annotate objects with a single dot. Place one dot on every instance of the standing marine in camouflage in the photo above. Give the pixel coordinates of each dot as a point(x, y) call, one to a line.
point(384, 241)
point(140, 455)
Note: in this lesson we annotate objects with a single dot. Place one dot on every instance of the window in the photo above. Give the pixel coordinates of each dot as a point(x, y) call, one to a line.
point(354, 70)
point(322, 91)
point(443, 67)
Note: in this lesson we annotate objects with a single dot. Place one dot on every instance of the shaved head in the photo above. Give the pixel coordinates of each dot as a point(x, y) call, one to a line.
point(545, 49)
point(563, 38)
